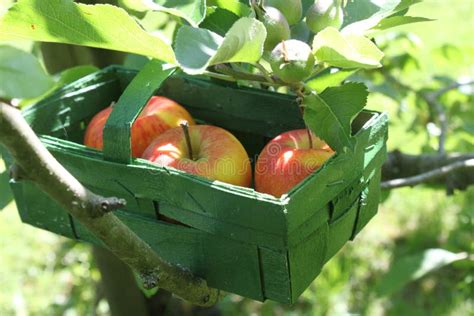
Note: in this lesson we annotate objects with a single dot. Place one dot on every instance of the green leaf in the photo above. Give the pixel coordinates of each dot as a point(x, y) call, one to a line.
point(329, 115)
point(196, 49)
point(21, 75)
point(362, 15)
point(63, 21)
point(233, 6)
point(345, 50)
point(329, 78)
point(191, 11)
point(219, 20)
point(72, 74)
point(395, 21)
point(65, 77)
point(413, 267)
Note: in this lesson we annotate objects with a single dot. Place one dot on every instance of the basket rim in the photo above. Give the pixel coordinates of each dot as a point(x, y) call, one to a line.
point(91, 153)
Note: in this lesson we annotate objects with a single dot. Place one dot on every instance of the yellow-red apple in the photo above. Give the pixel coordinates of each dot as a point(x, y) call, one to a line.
point(209, 151)
point(159, 115)
point(287, 159)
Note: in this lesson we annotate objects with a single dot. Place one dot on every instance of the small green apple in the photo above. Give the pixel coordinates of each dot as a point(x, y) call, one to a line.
point(324, 13)
point(292, 61)
point(291, 9)
point(276, 25)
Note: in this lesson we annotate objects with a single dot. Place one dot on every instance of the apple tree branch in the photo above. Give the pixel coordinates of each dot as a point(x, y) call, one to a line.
point(451, 170)
point(35, 163)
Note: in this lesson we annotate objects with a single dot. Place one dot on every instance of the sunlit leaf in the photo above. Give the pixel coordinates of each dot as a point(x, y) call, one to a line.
point(192, 11)
point(362, 15)
point(196, 49)
point(234, 6)
point(219, 20)
point(329, 78)
point(21, 75)
point(395, 21)
point(63, 21)
point(329, 115)
point(65, 77)
point(345, 51)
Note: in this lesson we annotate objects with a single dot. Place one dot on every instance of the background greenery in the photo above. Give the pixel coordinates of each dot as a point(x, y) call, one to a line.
point(43, 274)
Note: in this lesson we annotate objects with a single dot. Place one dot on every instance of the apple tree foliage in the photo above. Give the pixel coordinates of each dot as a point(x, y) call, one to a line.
point(208, 36)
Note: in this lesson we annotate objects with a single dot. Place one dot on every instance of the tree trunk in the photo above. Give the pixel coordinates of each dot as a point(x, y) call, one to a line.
point(119, 285)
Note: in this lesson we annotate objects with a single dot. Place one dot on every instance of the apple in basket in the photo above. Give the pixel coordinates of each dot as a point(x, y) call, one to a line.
point(159, 115)
point(287, 159)
point(203, 150)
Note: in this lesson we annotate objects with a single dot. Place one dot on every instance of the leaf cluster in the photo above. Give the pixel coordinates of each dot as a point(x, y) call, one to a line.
point(216, 38)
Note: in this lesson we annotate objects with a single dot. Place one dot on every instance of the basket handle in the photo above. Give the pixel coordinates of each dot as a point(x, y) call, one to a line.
point(117, 130)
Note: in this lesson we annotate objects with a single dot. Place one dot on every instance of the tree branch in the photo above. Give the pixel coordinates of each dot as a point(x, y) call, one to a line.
point(242, 75)
point(432, 100)
point(400, 166)
point(427, 176)
point(94, 212)
point(450, 87)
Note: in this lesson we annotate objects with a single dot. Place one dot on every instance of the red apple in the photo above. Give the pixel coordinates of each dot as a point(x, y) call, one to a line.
point(215, 153)
point(287, 159)
point(159, 115)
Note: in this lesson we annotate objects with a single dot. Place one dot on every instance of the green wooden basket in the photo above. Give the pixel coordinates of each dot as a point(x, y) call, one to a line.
point(239, 240)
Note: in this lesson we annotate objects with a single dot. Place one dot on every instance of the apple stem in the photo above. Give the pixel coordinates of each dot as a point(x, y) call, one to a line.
point(185, 127)
point(310, 138)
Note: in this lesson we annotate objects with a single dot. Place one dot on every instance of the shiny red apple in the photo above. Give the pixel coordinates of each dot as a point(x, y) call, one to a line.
point(209, 151)
point(287, 159)
point(159, 115)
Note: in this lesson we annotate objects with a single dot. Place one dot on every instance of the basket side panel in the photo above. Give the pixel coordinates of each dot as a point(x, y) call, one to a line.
point(275, 275)
point(233, 266)
point(340, 231)
point(306, 260)
point(342, 217)
point(369, 202)
point(21, 205)
point(242, 212)
point(245, 110)
point(338, 174)
point(66, 115)
point(225, 264)
point(38, 209)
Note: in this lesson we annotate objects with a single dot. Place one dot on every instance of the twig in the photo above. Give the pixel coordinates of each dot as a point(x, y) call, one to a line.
point(242, 75)
point(93, 211)
point(427, 176)
point(432, 100)
point(7, 101)
point(442, 118)
point(264, 72)
point(219, 76)
point(452, 86)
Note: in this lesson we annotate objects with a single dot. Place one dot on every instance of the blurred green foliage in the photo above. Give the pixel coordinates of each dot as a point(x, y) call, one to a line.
point(44, 274)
